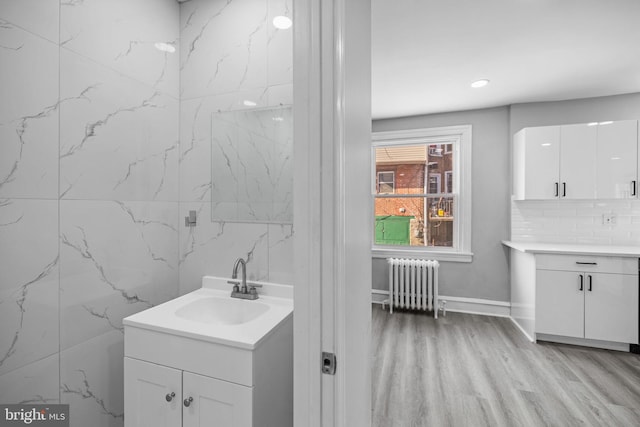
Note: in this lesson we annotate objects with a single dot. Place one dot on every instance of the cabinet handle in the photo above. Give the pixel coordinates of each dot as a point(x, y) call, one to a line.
point(556, 189)
point(564, 189)
point(188, 401)
point(633, 185)
point(586, 263)
point(581, 282)
point(590, 282)
point(170, 397)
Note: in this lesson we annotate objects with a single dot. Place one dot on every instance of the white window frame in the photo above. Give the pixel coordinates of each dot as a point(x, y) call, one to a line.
point(387, 182)
point(460, 137)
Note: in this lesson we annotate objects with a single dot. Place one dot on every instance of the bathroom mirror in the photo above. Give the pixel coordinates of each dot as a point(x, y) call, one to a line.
point(252, 165)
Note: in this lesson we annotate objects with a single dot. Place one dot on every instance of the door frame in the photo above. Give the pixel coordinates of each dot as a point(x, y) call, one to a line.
point(333, 211)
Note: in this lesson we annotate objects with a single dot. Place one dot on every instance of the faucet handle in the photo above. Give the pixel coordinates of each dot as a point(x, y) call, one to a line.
point(254, 285)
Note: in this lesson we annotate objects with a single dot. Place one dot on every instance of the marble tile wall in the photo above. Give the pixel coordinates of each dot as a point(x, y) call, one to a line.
point(576, 221)
point(104, 148)
point(88, 193)
point(231, 58)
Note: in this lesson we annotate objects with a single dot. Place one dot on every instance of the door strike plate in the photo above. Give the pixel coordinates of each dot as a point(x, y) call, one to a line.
point(328, 363)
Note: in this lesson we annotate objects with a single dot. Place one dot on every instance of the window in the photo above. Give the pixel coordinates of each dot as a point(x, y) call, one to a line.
point(427, 213)
point(434, 183)
point(386, 182)
point(448, 182)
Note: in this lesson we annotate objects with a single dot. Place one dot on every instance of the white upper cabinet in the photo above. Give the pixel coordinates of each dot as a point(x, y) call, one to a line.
point(581, 161)
point(617, 160)
point(537, 163)
point(577, 162)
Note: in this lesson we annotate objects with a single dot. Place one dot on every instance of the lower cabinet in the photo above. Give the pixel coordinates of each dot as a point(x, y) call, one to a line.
point(587, 303)
point(156, 395)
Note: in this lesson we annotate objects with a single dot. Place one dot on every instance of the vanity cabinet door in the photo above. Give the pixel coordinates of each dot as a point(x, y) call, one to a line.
point(215, 403)
point(611, 307)
point(151, 394)
point(560, 303)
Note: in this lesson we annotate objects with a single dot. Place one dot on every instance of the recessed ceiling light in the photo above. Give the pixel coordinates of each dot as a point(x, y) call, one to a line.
point(249, 103)
point(546, 144)
point(165, 47)
point(480, 83)
point(282, 22)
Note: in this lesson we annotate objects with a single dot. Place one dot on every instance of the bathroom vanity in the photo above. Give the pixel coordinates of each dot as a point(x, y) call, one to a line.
point(208, 359)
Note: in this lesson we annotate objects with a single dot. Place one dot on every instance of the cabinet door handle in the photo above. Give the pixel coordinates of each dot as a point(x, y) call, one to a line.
point(564, 189)
point(556, 189)
point(188, 401)
point(170, 396)
point(590, 282)
point(633, 186)
point(581, 282)
point(586, 263)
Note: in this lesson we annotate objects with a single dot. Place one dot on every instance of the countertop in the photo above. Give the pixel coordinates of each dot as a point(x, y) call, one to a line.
point(559, 248)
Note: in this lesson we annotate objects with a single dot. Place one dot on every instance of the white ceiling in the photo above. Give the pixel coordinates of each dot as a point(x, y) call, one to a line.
point(425, 53)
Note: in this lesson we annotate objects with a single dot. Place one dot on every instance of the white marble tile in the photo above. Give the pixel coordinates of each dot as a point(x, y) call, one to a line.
point(118, 137)
point(211, 248)
point(281, 253)
point(123, 34)
point(280, 95)
point(35, 383)
point(28, 114)
point(223, 46)
point(279, 44)
point(91, 381)
point(116, 259)
point(40, 17)
point(28, 281)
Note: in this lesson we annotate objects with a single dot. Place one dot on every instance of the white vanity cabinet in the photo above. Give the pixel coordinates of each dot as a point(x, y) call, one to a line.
point(594, 298)
point(157, 395)
point(578, 161)
point(206, 359)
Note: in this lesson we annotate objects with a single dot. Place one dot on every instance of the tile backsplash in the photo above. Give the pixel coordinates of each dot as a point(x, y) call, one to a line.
point(576, 221)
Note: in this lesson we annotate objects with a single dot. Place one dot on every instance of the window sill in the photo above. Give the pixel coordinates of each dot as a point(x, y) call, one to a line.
point(448, 256)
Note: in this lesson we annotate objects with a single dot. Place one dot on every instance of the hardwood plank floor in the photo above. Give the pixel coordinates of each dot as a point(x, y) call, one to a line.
point(470, 370)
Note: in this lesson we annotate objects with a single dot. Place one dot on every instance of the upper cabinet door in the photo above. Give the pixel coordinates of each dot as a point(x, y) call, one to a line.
point(578, 162)
point(541, 162)
point(617, 159)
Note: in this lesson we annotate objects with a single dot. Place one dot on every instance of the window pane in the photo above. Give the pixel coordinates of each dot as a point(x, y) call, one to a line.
point(414, 221)
point(408, 163)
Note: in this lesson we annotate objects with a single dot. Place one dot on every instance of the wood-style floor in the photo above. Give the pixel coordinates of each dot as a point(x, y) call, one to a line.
point(470, 370)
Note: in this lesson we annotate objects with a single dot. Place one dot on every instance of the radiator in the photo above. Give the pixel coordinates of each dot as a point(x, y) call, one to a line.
point(413, 284)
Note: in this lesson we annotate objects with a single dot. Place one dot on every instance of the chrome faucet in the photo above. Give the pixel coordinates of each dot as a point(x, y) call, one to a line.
point(240, 289)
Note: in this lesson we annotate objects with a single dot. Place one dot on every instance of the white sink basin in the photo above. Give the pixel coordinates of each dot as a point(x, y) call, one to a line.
point(225, 311)
point(210, 314)
point(211, 334)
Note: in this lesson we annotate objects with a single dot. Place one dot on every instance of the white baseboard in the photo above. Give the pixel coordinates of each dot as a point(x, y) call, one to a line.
point(460, 304)
point(607, 345)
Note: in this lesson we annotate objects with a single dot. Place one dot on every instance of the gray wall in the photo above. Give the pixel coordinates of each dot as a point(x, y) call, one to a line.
point(487, 277)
